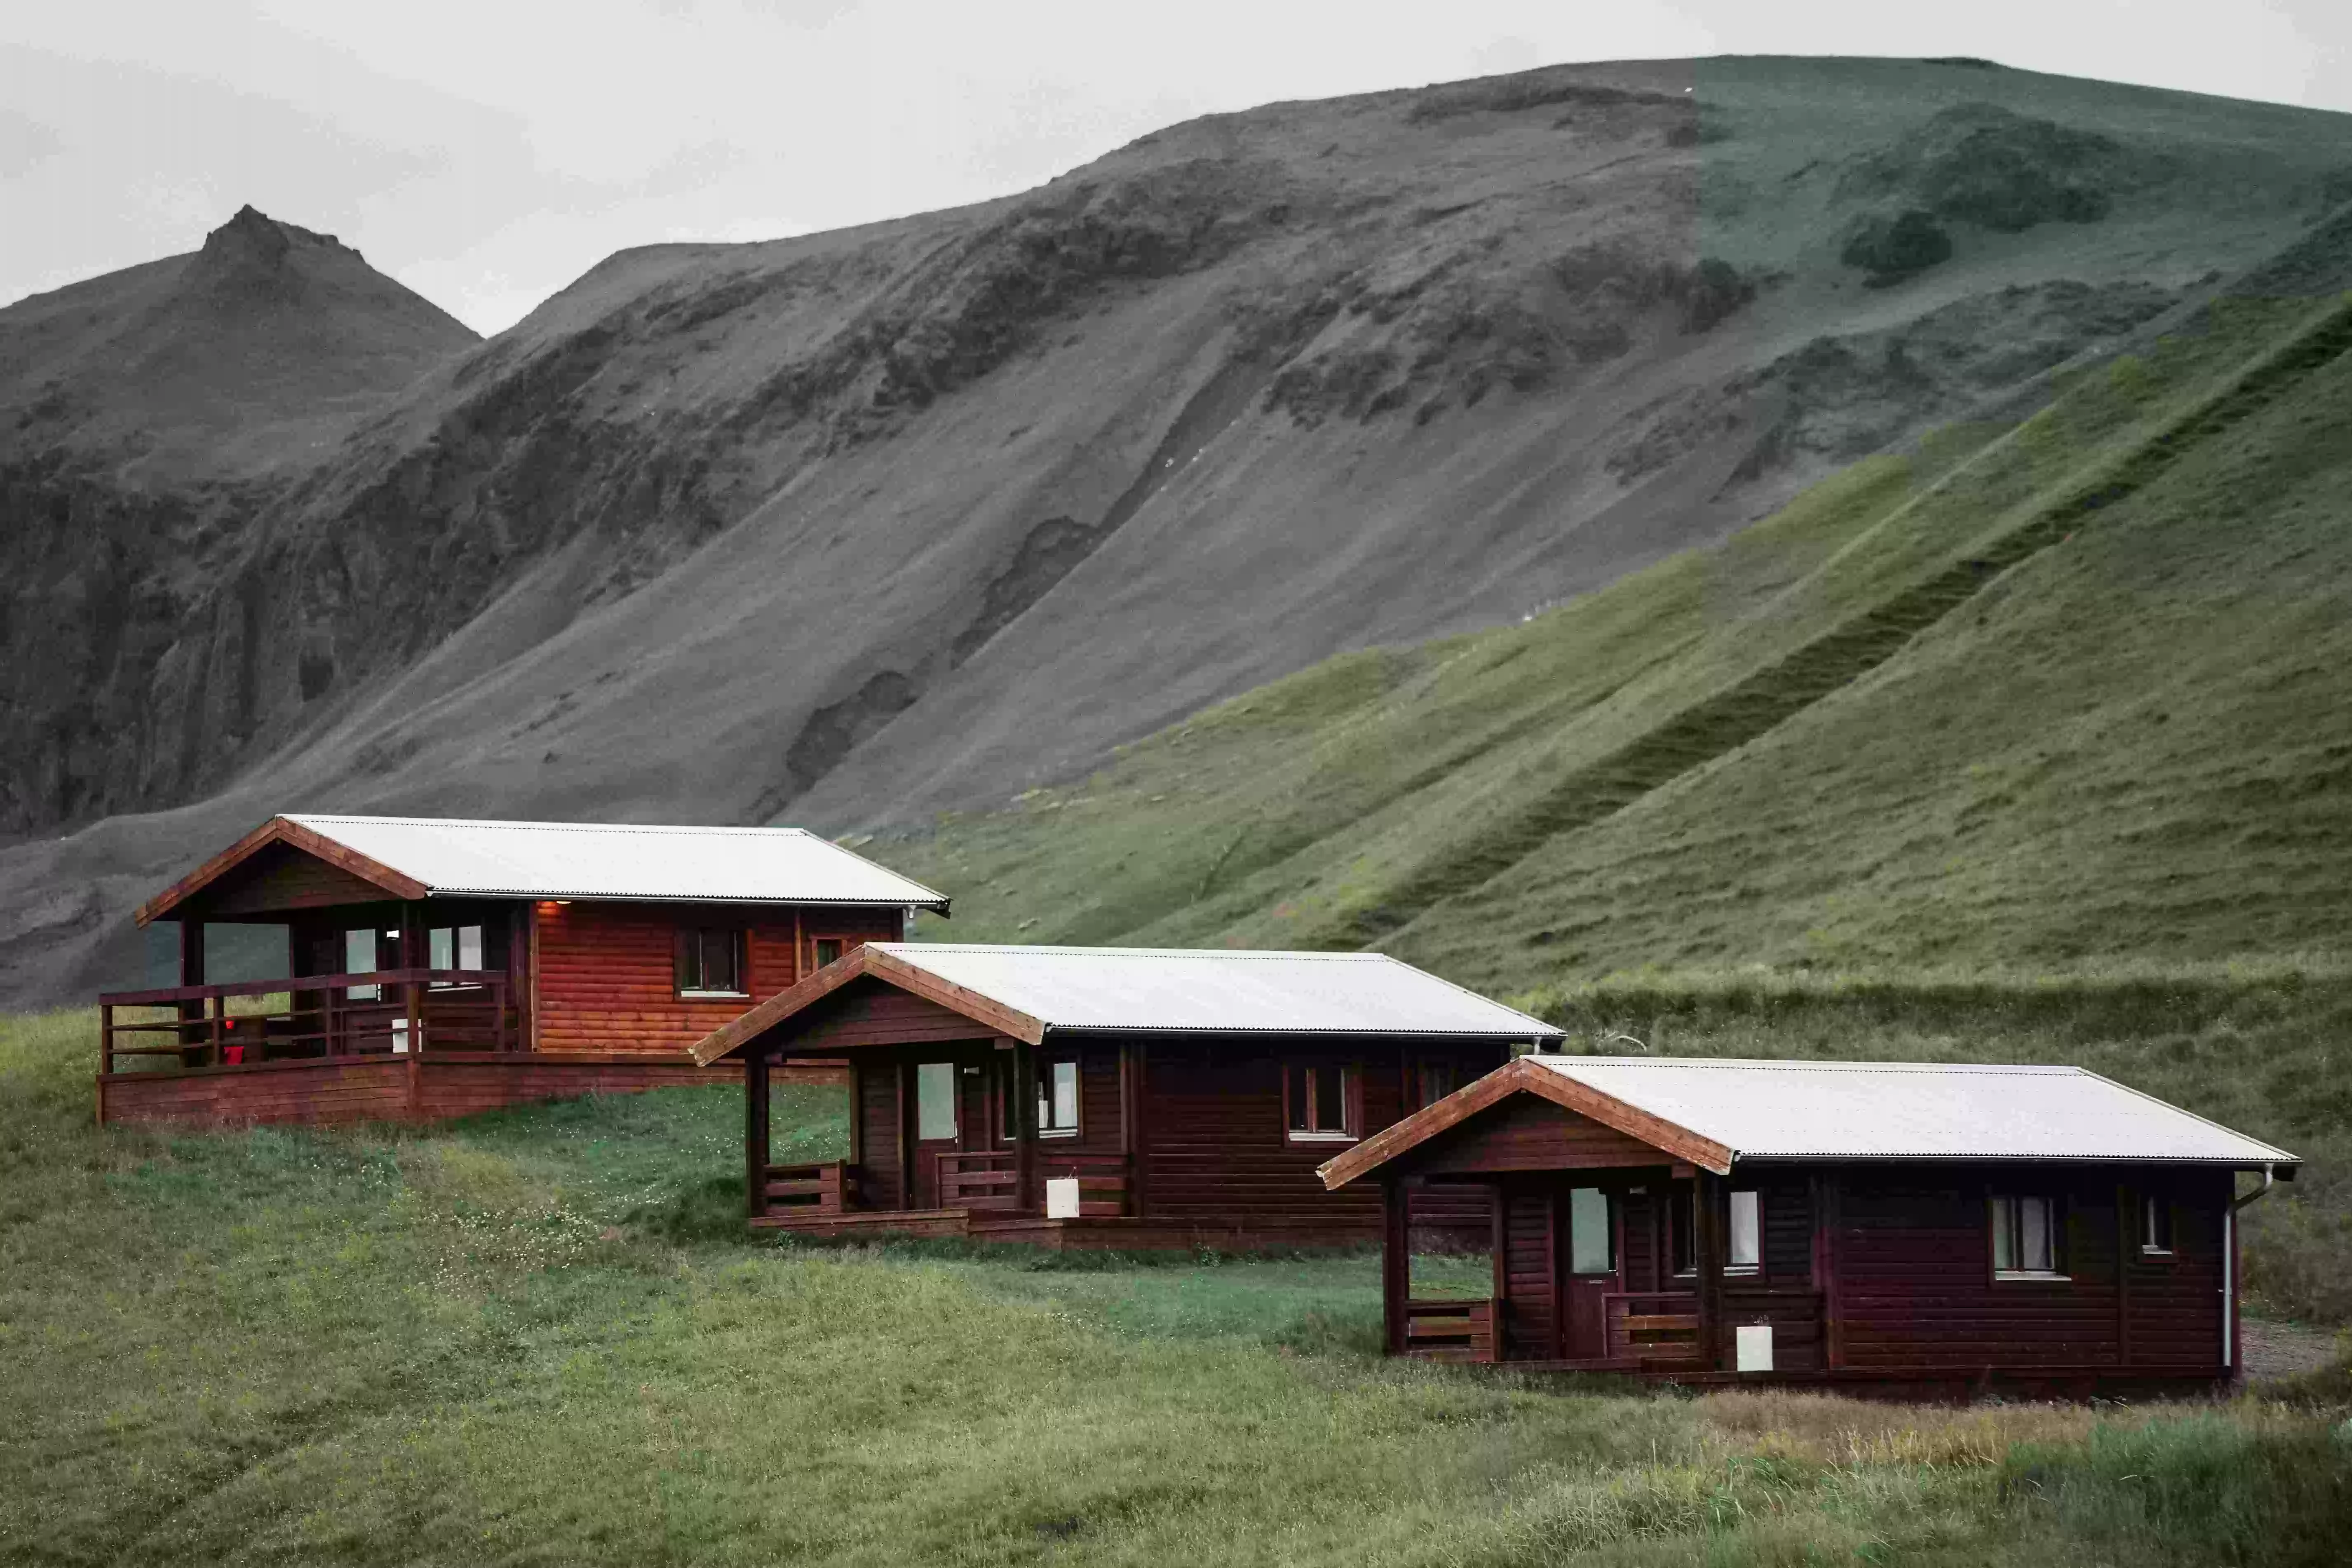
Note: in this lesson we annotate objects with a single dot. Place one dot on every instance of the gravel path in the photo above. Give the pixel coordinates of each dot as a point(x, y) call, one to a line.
point(2284, 1350)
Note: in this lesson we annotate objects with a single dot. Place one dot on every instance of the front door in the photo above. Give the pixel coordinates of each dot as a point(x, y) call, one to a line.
point(939, 1124)
point(1587, 1243)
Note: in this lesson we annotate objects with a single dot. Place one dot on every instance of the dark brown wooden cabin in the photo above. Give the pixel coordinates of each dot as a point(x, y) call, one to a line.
point(1107, 1096)
point(1921, 1229)
point(438, 967)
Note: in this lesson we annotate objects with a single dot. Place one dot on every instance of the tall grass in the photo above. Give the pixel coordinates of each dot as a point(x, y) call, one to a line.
point(542, 1336)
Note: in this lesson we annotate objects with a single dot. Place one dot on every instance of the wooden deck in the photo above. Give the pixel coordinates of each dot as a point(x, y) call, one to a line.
point(434, 1086)
point(1102, 1233)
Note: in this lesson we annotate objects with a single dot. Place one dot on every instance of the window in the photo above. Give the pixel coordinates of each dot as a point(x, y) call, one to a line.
point(1434, 1081)
point(2024, 1238)
point(1058, 1100)
point(1591, 1245)
point(935, 1101)
point(359, 958)
point(1747, 1254)
point(1315, 1100)
point(2155, 1226)
point(454, 947)
point(1682, 1222)
point(709, 961)
point(828, 949)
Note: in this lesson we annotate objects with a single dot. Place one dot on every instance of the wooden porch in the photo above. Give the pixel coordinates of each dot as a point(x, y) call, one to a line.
point(396, 1045)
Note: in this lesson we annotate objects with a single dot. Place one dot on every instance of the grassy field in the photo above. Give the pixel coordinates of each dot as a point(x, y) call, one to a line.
point(542, 1337)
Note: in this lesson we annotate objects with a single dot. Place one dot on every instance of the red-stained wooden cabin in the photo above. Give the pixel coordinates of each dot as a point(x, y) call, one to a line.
point(1107, 1097)
point(1915, 1227)
point(435, 967)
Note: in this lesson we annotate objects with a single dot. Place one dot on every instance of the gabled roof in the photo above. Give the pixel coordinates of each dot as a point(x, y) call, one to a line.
point(418, 857)
point(1716, 1112)
point(1024, 992)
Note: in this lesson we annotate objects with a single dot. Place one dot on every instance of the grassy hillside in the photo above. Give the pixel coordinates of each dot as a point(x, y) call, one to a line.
point(2033, 696)
point(542, 1337)
point(2033, 742)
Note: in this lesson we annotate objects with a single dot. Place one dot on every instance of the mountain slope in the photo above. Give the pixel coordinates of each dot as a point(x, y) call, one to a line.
point(2062, 693)
point(854, 528)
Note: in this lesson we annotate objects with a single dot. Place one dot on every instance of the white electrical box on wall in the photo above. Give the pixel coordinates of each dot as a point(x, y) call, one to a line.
point(1061, 1198)
point(1754, 1347)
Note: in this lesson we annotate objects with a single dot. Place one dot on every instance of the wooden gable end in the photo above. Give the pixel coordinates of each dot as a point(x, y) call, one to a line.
point(281, 877)
point(1525, 1132)
point(869, 1011)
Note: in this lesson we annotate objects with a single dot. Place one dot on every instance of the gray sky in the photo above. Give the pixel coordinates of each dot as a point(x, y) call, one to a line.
point(487, 153)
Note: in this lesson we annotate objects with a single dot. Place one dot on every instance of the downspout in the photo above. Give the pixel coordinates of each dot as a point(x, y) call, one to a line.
point(2230, 1266)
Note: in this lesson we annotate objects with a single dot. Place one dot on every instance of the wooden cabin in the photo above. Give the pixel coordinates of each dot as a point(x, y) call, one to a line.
point(1923, 1228)
point(1107, 1097)
point(435, 967)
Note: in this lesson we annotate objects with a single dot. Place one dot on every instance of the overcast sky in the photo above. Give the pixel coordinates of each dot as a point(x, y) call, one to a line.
point(487, 153)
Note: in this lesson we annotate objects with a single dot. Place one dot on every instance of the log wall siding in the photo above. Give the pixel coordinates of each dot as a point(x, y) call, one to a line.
point(1524, 1133)
point(1530, 1258)
point(381, 1089)
point(876, 1076)
point(279, 878)
point(607, 980)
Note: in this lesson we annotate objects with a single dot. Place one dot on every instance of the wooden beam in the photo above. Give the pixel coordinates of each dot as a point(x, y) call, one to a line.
point(1396, 1262)
point(755, 1133)
point(906, 1132)
point(1025, 1129)
point(1708, 1251)
point(1552, 1272)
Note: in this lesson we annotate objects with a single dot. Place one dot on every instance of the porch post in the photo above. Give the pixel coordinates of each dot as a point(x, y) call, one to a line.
point(755, 1132)
point(1025, 1129)
point(1396, 1262)
point(1709, 1250)
point(192, 973)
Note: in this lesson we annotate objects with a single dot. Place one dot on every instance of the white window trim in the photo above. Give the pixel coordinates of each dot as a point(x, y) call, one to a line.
point(715, 995)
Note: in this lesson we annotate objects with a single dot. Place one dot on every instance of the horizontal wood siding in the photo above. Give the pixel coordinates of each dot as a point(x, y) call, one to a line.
point(1524, 1133)
point(379, 1089)
point(1528, 1302)
point(279, 878)
point(1915, 1285)
point(873, 1012)
point(1219, 1156)
point(878, 1132)
point(607, 977)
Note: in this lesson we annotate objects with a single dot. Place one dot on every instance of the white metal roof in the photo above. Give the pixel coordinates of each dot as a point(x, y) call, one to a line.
point(1218, 990)
point(1869, 1111)
point(618, 860)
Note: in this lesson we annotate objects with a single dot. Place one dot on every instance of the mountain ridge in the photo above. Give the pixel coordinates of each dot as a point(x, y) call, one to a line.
point(862, 527)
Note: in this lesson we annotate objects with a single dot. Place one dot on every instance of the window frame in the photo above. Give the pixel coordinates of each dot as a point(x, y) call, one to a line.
point(456, 939)
point(1682, 1230)
point(1425, 1069)
point(1754, 1267)
point(2159, 1227)
point(1610, 1215)
point(1351, 1102)
point(2055, 1228)
point(1077, 1096)
point(689, 938)
point(954, 1071)
point(847, 944)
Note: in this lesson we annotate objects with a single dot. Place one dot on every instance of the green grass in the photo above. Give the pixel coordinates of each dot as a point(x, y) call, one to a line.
point(542, 1336)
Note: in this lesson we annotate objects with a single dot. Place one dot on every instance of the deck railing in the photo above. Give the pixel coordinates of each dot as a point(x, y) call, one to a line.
point(824, 1186)
point(1450, 1329)
point(989, 1180)
point(390, 1012)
